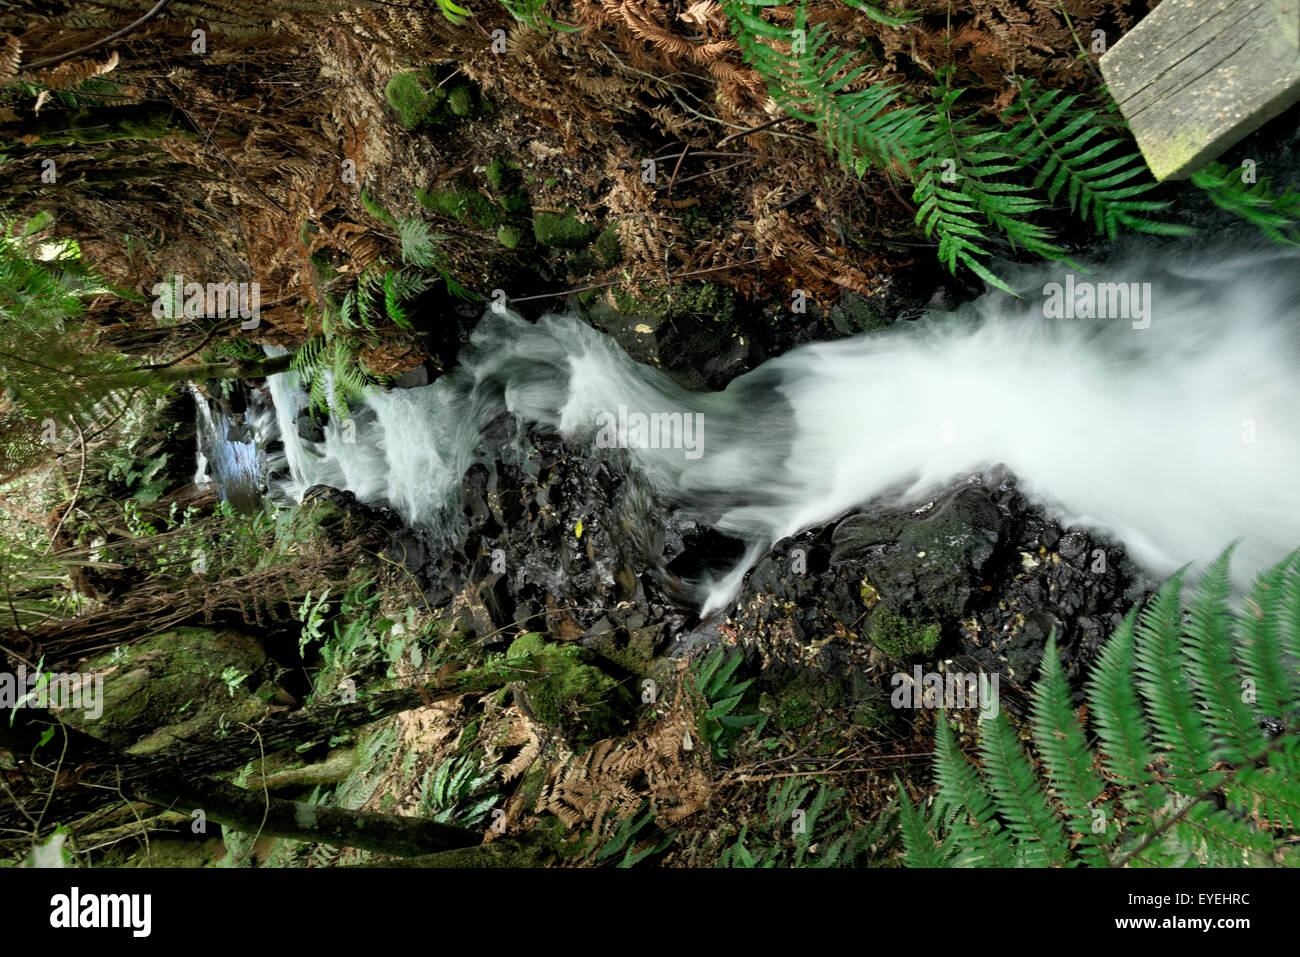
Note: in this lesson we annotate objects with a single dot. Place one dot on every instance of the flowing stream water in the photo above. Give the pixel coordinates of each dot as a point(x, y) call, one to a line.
point(1174, 427)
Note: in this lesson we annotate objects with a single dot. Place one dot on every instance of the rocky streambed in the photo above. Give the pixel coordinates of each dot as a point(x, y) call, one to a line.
point(560, 538)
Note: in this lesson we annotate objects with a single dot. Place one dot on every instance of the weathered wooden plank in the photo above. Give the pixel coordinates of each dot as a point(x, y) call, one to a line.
point(1196, 76)
point(1288, 14)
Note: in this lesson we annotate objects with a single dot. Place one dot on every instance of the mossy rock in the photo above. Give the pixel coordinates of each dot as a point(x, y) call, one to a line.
point(901, 637)
point(796, 711)
point(570, 692)
point(672, 302)
point(511, 235)
point(501, 175)
point(415, 97)
point(632, 651)
point(170, 687)
point(609, 247)
point(855, 313)
point(562, 230)
point(464, 206)
point(460, 100)
point(506, 183)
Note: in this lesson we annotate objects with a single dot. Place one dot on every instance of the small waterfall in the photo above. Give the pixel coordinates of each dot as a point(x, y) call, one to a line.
point(1172, 426)
point(227, 454)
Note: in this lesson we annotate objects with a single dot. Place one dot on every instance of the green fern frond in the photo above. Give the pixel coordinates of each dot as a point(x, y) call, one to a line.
point(1275, 214)
point(1067, 762)
point(1075, 155)
point(1193, 779)
point(960, 192)
point(812, 82)
point(533, 14)
point(900, 18)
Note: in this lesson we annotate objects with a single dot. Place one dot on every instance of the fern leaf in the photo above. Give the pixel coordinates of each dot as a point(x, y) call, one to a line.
point(1102, 183)
point(1178, 727)
point(1018, 797)
point(1066, 756)
point(977, 831)
point(1211, 668)
point(1275, 214)
point(1113, 699)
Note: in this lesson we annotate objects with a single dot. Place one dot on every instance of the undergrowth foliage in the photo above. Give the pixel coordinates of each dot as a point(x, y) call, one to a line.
point(805, 827)
point(1196, 760)
point(975, 180)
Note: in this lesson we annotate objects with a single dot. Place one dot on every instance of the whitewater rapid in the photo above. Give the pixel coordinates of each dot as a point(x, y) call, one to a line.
point(1172, 427)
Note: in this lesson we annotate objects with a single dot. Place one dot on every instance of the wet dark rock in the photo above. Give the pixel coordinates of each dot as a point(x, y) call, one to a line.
point(975, 562)
point(310, 427)
point(931, 560)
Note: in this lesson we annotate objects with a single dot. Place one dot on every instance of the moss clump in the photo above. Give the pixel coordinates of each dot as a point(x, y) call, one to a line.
point(690, 298)
point(501, 175)
point(563, 230)
point(900, 637)
point(464, 206)
point(460, 100)
point(504, 179)
point(795, 712)
point(170, 687)
point(608, 247)
point(855, 313)
point(415, 97)
point(511, 235)
point(570, 692)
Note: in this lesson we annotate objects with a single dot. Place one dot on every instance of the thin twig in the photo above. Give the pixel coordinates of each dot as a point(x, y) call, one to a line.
point(756, 129)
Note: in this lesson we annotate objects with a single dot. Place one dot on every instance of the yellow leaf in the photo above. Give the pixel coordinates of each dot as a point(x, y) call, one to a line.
point(577, 529)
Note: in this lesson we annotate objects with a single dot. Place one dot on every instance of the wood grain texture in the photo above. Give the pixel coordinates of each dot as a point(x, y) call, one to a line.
point(1196, 76)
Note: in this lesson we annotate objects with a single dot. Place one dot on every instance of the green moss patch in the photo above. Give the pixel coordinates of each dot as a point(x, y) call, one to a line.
point(511, 235)
point(608, 247)
point(464, 206)
point(570, 692)
point(562, 230)
point(415, 97)
point(901, 637)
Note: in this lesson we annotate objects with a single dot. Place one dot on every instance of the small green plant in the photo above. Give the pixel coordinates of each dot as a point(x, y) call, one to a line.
point(900, 637)
point(533, 13)
point(232, 677)
point(1276, 214)
point(1196, 760)
point(804, 828)
point(633, 841)
point(712, 678)
point(453, 12)
point(456, 793)
point(421, 250)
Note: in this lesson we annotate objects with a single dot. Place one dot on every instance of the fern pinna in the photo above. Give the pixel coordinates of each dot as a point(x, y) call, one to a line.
point(1192, 754)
